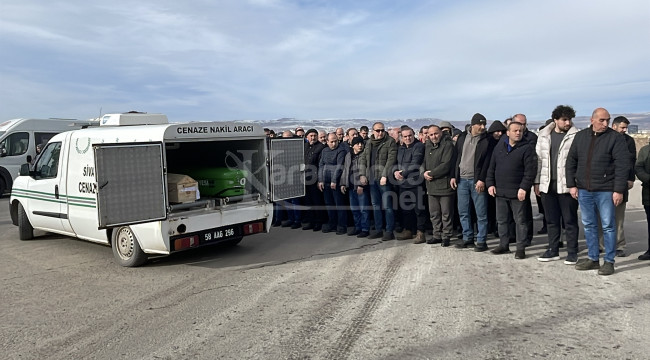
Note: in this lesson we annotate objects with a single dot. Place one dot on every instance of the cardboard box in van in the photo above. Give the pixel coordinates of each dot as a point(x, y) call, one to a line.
point(181, 188)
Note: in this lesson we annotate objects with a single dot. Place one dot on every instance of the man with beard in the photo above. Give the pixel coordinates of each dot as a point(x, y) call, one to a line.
point(474, 152)
point(510, 177)
point(552, 149)
point(439, 160)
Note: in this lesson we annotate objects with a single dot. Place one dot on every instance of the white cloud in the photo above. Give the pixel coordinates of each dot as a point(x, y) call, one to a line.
point(266, 59)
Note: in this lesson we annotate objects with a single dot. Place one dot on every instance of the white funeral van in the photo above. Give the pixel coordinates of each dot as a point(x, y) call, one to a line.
point(109, 184)
point(20, 137)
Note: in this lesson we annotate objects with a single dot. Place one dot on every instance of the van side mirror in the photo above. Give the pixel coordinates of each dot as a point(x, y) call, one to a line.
point(3, 151)
point(29, 159)
point(24, 169)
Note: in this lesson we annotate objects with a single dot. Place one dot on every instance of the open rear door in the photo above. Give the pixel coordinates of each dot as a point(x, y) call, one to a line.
point(287, 168)
point(130, 183)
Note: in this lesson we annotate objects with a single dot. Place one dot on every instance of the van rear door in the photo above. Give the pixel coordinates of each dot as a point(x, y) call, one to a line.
point(287, 168)
point(131, 185)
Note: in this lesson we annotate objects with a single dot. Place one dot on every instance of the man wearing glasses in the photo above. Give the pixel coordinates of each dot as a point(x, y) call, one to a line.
point(376, 163)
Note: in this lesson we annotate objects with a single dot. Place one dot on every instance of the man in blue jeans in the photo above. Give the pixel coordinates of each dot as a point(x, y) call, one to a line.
point(377, 161)
point(474, 151)
point(597, 169)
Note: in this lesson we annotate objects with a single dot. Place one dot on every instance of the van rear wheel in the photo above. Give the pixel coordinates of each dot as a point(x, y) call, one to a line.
point(25, 229)
point(126, 248)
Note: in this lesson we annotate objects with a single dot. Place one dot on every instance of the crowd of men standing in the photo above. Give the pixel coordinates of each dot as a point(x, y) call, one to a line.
point(409, 184)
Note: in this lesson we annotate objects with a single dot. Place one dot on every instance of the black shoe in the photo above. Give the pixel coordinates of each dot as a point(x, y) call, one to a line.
point(520, 254)
point(363, 234)
point(376, 235)
point(296, 226)
point(317, 227)
point(388, 235)
point(464, 245)
point(549, 255)
point(327, 229)
point(645, 256)
point(276, 224)
point(354, 232)
point(543, 230)
point(308, 226)
point(445, 242)
point(341, 230)
point(286, 223)
point(480, 247)
point(434, 241)
point(620, 253)
point(500, 250)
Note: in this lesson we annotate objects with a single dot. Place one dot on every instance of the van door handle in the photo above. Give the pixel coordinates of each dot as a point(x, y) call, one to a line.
point(56, 191)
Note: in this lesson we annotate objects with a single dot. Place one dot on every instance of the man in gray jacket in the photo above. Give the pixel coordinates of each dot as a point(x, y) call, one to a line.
point(552, 149)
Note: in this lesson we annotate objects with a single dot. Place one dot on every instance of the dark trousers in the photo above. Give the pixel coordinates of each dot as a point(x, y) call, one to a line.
point(337, 211)
point(411, 203)
point(517, 208)
point(647, 215)
point(529, 218)
point(314, 203)
point(561, 208)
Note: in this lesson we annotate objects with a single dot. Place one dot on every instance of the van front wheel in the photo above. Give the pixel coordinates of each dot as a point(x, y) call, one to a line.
point(25, 229)
point(126, 248)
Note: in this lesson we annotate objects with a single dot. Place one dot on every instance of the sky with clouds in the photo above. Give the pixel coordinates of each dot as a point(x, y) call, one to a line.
point(315, 59)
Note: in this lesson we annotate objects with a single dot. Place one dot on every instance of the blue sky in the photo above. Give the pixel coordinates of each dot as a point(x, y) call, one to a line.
point(268, 59)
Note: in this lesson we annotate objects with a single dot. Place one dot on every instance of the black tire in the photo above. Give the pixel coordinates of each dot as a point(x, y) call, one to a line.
point(3, 186)
point(126, 248)
point(25, 229)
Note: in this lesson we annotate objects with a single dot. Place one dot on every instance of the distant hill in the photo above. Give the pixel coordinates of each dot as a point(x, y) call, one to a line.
point(641, 119)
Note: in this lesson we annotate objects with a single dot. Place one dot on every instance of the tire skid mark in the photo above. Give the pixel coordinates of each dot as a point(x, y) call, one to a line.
point(87, 340)
point(312, 332)
point(353, 332)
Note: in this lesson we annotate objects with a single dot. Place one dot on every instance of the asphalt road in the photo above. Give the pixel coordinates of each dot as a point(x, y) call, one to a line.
point(295, 294)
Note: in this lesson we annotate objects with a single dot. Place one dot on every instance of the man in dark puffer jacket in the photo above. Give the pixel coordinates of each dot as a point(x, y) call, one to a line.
point(511, 174)
point(597, 169)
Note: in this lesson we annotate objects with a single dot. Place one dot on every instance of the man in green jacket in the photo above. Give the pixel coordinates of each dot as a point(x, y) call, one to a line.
point(376, 163)
point(439, 161)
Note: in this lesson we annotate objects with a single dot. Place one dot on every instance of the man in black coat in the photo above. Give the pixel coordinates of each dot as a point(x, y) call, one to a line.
point(597, 171)
point(314, 215)
point(509, 178)
point(474, 151)
point(411, 194)
point(532, 140)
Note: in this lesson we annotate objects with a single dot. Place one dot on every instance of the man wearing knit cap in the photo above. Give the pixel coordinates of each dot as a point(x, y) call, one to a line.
point(474, 152)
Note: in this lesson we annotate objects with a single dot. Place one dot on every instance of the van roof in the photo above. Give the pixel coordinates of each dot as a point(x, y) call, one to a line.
point(169, 132)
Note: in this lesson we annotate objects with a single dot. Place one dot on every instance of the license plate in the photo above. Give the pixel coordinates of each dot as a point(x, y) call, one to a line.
point(219, 234)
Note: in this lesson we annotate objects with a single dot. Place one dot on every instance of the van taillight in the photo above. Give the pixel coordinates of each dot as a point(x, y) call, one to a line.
point(186, 242)
point(253, 228)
